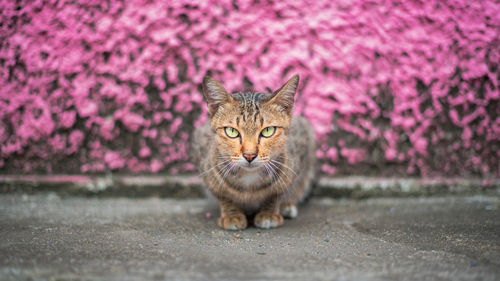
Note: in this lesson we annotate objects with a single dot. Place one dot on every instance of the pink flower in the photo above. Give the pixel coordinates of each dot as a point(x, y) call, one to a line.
point(68, 119)
point(372, 77)
point(75, 140)
point(114, 160)
point(175, 125)
point(144, 152)
point(332, 154)
point(156, 165)
point(107, 127)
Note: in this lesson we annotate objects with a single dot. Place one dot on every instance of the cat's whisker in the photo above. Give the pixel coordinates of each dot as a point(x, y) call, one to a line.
point(224, 158)
point(284, 186)
point(267, 169)
point(224, 155)
point(223, 170)
point(283, 164)
point(281, 156)
point(286, 191)
point(220, 173)
point(283, 172)
point(215, 166)
point(270, 172)
point(228, 169)
point(278, 188)
point(280, 180)
point(274, 179)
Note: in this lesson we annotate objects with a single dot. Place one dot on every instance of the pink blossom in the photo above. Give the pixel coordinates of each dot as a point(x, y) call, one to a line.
point(87, 108)
point(188, 167)
point(328, 169)
point(175, 125)
point(114, 160)
point(75, 141)
point(107, 127)
point(353, 155)
point(378, 77)
point(332, 154)
point(156, 165)
point(67, 119)
point(144, 152)
point(390, 154)
point(421, 146)
point(131, 120)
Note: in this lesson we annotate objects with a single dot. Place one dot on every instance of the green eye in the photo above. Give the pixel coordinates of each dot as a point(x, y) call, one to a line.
point(231, 132)
point(268, 132)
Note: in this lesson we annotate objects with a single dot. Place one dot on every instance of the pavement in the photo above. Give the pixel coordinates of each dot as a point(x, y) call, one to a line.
point(47, 237)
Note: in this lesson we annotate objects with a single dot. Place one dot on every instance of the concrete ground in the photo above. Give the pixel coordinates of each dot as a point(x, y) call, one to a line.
point(46, 237)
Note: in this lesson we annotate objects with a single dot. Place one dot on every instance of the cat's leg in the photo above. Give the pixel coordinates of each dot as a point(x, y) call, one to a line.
point(289, 210)
point(300, 189)
point(269, 215)
point(232, 217)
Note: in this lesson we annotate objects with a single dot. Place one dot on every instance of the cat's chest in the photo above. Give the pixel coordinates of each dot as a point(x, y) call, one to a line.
point(248, 180)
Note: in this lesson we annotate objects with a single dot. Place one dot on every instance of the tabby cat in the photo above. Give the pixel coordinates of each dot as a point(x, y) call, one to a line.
point(254, 157)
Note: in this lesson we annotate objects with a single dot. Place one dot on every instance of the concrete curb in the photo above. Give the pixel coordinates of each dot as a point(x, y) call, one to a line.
point(364, 187)
point(189, 186)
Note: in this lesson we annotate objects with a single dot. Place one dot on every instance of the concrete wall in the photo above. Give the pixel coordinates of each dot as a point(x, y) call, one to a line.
point(391, 87)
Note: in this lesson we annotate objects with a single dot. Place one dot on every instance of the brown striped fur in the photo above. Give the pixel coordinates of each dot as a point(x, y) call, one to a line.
point(278, 178)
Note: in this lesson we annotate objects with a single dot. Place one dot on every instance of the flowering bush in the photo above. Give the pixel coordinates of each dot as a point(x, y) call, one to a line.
point(396, 87)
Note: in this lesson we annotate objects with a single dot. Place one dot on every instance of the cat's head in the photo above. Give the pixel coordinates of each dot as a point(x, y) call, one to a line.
point(250, 128)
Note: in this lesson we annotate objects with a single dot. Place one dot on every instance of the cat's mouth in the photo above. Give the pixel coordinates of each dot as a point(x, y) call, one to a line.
point(250, 166)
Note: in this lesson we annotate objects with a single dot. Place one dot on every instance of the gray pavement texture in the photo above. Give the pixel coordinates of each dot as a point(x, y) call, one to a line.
point(46, 237)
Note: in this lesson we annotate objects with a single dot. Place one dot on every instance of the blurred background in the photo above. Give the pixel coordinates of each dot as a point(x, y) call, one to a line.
point(392, 88)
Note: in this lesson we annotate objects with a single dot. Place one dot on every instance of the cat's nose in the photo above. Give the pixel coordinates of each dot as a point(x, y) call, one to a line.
point(249, 156)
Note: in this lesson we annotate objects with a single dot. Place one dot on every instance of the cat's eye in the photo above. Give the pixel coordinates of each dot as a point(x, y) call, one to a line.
point(231, 132)
point(268, 132)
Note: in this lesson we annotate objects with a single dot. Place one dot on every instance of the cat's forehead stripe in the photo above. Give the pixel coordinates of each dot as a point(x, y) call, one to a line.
point(249, 110)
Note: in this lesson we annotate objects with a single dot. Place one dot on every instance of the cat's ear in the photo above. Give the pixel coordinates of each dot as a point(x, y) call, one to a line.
point(284, 96)
point(215, 94)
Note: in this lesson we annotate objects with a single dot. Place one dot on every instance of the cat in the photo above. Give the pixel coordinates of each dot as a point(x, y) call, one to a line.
point(253, 155)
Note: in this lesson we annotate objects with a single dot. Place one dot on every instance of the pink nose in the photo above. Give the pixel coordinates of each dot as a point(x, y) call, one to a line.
point(249, 156)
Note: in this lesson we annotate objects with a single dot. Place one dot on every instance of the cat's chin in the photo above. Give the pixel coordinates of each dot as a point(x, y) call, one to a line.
point(250, 168)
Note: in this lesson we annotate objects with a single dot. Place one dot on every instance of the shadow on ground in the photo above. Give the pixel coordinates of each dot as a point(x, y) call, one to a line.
point(48, 237)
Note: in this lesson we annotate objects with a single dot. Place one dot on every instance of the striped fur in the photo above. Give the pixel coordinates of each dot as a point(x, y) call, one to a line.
point(280, 175)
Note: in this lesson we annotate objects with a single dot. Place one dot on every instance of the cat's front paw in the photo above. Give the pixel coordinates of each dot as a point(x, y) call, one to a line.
point(233, 222)
point(289, 211)
point(268, 220)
